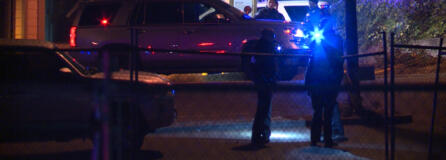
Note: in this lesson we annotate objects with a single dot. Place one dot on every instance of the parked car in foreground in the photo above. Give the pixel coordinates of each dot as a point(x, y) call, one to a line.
point(47, 96)
point(199, 25)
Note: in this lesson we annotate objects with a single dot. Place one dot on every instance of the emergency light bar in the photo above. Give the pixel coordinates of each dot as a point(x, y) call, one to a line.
point(317, 35)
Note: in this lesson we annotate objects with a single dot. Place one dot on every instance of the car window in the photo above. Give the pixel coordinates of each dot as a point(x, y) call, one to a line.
point(163, 13)
point(138, 15)
point(202, 13)
point(297, 13)
point(94, 13)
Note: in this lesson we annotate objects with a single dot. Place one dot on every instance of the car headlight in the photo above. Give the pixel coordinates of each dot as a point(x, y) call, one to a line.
point(299, 33)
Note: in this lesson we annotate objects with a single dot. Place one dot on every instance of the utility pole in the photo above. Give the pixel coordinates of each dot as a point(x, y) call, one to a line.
point(351, 31)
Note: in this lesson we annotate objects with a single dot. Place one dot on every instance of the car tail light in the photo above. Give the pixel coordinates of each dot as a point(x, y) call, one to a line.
point(104, 22)
point(220, 52)
point(203, 44)
point(73, 36)
point(287, 31)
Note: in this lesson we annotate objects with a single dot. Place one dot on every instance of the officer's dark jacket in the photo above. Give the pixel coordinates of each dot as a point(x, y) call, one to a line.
point(262, 69)
point(318, 18)
point(325, 72)
point(312, 19)
point(269, 13)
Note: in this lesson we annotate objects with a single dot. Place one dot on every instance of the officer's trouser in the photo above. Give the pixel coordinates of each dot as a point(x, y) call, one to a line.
point(262, 121)
point(336, 123)
point(322, 103)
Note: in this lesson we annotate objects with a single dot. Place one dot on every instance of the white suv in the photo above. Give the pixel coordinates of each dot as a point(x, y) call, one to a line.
point(201, 25)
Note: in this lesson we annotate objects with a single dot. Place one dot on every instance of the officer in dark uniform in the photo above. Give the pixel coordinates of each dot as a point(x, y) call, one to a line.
point(325, 72)
point(262, 71)
point(321, 19)
point(270, 12)
point(323, 81)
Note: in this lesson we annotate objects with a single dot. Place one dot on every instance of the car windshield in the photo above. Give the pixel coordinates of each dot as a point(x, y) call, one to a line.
point(296, 13)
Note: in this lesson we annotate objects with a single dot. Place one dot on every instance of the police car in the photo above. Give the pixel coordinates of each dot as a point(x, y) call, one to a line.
point(199, 25)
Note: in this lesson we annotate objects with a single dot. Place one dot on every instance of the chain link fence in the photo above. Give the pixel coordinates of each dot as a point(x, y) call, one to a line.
point(215, 111)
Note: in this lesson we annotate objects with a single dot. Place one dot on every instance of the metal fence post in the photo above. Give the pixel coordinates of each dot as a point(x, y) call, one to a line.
point(434, 103)
point(386, 114)
point(392, 96)
point(104, 110)
point(132, 45)
point(133, 110)
point(135, 54)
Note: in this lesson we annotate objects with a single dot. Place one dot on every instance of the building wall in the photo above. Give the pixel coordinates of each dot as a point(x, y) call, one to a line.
point(6, 20)
point(31, 24)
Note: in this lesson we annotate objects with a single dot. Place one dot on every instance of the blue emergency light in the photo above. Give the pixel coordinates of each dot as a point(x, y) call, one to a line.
point(317, 35)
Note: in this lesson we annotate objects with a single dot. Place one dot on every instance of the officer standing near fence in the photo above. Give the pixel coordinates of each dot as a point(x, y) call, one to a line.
point(319, 18)
point(324, 74)
point(262, 71)
point(323, 81)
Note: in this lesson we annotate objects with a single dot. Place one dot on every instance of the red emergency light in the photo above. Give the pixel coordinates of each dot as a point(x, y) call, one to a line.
point(104, 22)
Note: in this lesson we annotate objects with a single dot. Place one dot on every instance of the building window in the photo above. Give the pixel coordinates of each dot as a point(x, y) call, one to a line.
point(19, 32)
point(27, 19)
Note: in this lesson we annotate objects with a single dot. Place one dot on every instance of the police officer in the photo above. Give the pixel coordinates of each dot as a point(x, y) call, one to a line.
point(323, 81)
point(247, 10)
point(262, 71)
point(320, 18)
point(270, 12)
point(328, 23)
point(324, 73)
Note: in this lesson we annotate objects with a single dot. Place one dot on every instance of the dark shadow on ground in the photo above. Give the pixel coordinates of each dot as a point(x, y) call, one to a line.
point(249, 147)
point(420, 137)
point(81, 155)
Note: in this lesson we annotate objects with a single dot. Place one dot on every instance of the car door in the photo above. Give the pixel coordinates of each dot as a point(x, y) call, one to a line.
point(157, 23)
point(207, 29)
point(184, 26)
